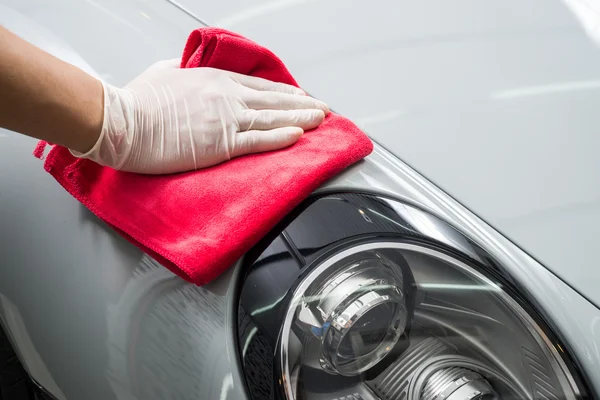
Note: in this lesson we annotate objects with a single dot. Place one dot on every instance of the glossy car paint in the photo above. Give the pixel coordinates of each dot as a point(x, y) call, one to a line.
point(496, 102)
point(92, 317)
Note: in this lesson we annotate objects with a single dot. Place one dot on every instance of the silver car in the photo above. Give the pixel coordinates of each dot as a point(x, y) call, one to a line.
point(457, 261)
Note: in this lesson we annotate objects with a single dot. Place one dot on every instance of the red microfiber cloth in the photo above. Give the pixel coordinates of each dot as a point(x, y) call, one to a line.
point(199, 223)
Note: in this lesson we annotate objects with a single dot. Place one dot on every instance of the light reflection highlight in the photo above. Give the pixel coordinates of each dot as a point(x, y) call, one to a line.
point(543, 90)
point(453, 286)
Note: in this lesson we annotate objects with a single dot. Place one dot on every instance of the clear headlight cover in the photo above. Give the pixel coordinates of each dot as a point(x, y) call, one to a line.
point(396, 320)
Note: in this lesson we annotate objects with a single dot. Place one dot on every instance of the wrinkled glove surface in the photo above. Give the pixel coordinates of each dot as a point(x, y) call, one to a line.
point(171, 119)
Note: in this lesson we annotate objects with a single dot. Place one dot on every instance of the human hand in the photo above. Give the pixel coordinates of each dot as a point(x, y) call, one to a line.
point(171, 119)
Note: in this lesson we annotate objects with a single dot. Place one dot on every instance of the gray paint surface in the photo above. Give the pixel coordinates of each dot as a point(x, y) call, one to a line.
point(93, 317)
point(496, 102)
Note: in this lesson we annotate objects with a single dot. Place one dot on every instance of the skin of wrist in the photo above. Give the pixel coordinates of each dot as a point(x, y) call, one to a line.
point(92, 118)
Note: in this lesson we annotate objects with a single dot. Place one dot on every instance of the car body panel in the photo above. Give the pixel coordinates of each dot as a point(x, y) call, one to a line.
point(81, 311)
point(92, 317)
point(495, 102)
point(70, 288)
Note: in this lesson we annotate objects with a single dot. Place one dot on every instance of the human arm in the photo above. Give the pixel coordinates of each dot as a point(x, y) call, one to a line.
point(166, 120)
point(46, 98)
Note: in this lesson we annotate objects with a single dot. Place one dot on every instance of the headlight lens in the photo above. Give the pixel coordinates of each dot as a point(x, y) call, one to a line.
point(398, 320)
point(354, 312)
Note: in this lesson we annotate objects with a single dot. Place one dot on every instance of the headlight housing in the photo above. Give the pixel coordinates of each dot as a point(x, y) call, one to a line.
point(400, 306)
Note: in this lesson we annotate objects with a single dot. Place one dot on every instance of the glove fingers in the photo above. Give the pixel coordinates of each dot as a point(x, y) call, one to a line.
point(271, 119)
point(260, 84)
point(260, 141)
point(282, 101)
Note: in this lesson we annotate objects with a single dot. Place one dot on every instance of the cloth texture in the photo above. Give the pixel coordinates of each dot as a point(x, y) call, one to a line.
point(198, 223)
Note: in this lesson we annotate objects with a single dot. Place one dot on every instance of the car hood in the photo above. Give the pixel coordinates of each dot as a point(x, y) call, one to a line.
point(495, 102)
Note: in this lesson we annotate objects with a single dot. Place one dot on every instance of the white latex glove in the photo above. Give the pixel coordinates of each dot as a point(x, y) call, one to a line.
point(171, 119)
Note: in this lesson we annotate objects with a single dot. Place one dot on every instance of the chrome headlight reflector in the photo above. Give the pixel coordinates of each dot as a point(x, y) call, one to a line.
point(354, 310)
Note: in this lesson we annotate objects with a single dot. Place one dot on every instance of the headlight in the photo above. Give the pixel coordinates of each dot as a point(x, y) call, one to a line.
point(404, 316)
point(468, 338)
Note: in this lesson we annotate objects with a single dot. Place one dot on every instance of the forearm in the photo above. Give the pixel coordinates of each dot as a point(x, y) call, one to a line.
point(46, 98)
